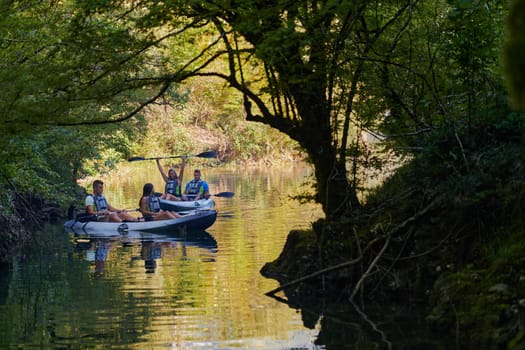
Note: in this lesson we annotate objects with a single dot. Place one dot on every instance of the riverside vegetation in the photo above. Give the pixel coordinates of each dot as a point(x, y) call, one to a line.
point(445, 232)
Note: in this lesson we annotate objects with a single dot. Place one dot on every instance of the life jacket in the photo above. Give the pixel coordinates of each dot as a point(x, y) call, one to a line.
point(172, 187)
point(194, 187)
point(153, 204)
point(100, 202)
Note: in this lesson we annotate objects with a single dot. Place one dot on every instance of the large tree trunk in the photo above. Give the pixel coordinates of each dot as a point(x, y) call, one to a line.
point(299, 82)
point(334, 189)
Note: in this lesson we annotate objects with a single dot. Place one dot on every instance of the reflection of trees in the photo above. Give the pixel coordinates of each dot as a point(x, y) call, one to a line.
point(56, 301)
point(129, 307)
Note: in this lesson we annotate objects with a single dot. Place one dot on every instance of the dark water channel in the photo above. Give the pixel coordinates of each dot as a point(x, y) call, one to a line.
point(202, 290)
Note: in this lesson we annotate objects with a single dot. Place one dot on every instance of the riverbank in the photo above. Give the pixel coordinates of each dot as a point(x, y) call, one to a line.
point(28, 211)
point(444, 233)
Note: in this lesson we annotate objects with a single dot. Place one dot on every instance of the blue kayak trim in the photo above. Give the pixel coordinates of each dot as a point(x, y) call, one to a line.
point(193, 220)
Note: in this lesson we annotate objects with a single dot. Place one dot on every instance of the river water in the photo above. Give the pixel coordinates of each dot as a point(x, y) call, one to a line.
point(194, 292)
point(202, 290)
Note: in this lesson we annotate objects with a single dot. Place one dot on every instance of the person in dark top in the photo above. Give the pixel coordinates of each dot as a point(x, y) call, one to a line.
point(149, 205)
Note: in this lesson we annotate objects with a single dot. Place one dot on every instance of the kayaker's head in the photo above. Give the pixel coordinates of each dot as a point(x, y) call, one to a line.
point(147, 190)
point(197, 174)
point(172, 174)
point(98, 187)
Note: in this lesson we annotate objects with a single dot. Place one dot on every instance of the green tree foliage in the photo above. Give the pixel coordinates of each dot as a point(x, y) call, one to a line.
point(60, 66)
point(322, 72)
point(75, 81)
point(59, 71)
point(515, 53)
point(328, 70)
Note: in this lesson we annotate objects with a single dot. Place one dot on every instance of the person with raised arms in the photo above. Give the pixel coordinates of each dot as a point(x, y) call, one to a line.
point(98, 206)
point(173, 188)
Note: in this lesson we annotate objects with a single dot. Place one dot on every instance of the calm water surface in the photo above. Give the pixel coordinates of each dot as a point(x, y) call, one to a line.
point(199, 291)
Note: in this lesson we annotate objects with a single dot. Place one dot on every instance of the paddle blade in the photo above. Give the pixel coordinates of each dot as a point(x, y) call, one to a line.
point(224, 194)
point(134, 159)
point(207, 154)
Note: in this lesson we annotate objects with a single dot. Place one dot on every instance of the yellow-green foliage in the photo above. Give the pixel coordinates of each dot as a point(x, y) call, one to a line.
point(203, 114)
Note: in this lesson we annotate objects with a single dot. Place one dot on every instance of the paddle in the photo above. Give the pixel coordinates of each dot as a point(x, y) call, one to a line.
point(207, 154)
point(128, 210)
point(84, 217)
point(223, 194)
point(220, 194)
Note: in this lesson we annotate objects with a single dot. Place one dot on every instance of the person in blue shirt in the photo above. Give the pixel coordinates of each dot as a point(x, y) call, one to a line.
point(197, 188)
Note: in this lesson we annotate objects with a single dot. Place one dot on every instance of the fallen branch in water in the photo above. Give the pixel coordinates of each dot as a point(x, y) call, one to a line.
point(358, 259)
point(313, 275)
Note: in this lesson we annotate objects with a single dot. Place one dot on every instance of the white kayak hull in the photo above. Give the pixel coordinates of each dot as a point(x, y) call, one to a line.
point(195, 220)
point(186, 205)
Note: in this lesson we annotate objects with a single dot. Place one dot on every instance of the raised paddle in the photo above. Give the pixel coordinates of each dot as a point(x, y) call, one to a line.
point(207, 154)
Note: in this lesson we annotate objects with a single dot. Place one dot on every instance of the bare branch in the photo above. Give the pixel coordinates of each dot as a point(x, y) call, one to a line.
point(315, 274)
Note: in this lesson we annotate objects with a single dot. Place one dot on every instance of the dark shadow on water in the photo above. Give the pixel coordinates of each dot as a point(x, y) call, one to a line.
point(375, 325)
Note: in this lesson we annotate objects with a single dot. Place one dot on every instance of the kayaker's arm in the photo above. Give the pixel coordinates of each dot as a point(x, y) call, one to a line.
point(205, 192)
point(161, 169)
point(144, 207)
point(113, 209)
point(181, 171)
point(91, 210)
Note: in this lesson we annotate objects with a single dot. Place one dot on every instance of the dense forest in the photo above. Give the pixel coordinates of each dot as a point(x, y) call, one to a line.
point(431, 89)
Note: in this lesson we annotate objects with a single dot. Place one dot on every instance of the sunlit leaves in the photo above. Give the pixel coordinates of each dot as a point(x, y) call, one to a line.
point(70, 65)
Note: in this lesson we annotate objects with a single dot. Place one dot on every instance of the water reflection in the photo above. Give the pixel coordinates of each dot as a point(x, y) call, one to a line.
point(100, 255)
point(97, 247)
point(182, 290)
point(150, 252)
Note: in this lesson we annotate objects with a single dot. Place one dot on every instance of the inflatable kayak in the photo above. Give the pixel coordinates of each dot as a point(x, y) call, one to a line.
point(193, 220)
